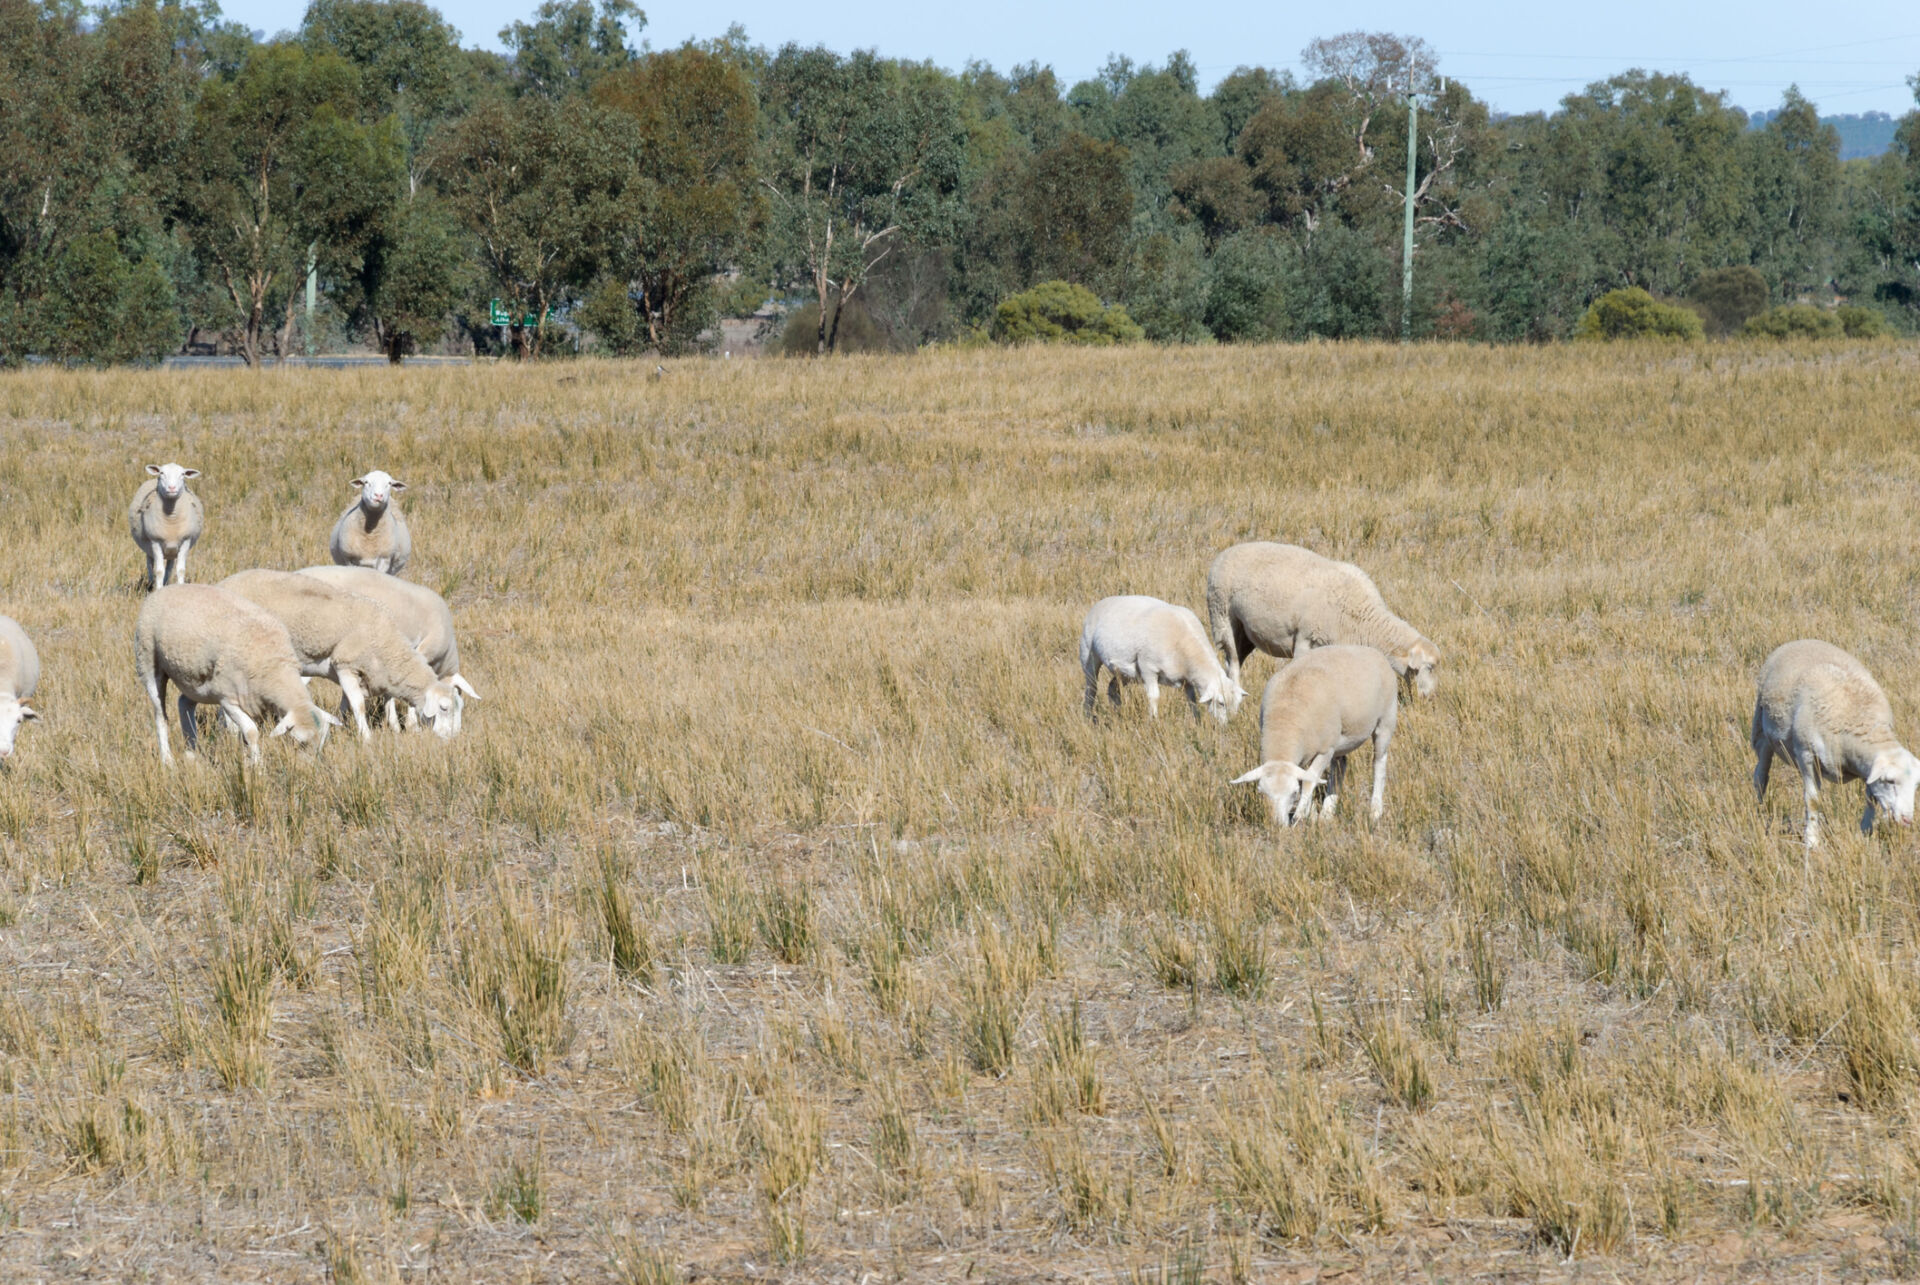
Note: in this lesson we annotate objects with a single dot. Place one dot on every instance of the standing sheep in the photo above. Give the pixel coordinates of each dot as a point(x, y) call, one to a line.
point(165, 519)
point(1820, 710)
point(1315, 712)
point(371, 533)
point(1283, 600)
point(351, 640)
point(19, 675)
point(1145, 640)
point(423, 617)
point(220, 649)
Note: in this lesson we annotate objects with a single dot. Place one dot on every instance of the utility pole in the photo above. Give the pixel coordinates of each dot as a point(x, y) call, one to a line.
point(313, 281)
point(1406, 225)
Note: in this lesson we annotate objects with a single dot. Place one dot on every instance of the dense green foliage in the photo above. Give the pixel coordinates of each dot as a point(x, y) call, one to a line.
point(166, 179)
point(1056, 312)
point(1632, 313)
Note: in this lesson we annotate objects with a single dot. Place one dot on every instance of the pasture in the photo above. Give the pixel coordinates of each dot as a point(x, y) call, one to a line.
point(778, 914)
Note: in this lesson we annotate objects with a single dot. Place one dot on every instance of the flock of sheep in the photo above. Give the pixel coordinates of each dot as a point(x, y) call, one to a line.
point(1818, 708)
point(249, 644)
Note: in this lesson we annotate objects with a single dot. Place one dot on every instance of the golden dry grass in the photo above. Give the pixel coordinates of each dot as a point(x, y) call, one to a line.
point(780, 914)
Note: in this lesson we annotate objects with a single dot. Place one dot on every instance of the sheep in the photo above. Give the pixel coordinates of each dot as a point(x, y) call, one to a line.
point(372, 533)
point(1145, 640)
point(1315, 712)
point(165, 519)
point(1283, 600)
point(1820, 710)
point(423, 617)
point(351, 640)
point(19, 675)
point(220, 649)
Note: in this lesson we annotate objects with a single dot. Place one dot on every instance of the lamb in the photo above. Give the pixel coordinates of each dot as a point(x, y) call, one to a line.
point(19, 675)
point(371, 533)
point(165, 519)
point(351, 640)
point(1283, 600)
point(1145, 640)
point(1316, 711)
point(220, 649)
point(423, 618)
point(1820, 710)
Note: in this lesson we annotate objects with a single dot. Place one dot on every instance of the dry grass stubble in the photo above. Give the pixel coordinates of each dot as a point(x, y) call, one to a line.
point(778, 905)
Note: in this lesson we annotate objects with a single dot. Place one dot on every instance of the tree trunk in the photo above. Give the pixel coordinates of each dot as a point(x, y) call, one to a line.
point(285, 341)
point(839, 306)
point(521, 347)
point(395, 342)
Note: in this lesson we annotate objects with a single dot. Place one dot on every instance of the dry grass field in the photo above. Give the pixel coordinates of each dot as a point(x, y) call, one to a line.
point(779, 914)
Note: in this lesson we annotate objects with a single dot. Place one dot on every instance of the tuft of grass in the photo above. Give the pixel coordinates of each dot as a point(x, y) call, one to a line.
point(1242, 959)
point(792, 1143)
point(242, 976)
point(1391, 1051)
point(730, 918)
point(993, 1000)
point(515, 973)
point(785, 919)
point(629, 945)
point(519, 1186)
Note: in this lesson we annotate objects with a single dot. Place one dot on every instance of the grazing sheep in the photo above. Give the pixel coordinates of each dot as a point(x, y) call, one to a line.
point(423, 618)
point(1145, 640)
point(1283, 600)
point(1316, 711)
point(165, 519)
point(220, 649)
point(371, 533)
point(19, 675)
point(1820, 710)
point(353, 641)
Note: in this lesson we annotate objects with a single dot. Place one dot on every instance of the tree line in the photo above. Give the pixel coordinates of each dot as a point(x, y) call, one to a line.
point(167, 180)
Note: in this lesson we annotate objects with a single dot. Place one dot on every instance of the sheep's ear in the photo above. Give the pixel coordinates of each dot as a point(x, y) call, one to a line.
point(1259, 773)
point(153, 470)
point(284, 726)
point(464, 686)
point(325, 717)
point(190, 472)
point(398, 486)
point(29, 713)
point(357, 483)
point(1885, 768)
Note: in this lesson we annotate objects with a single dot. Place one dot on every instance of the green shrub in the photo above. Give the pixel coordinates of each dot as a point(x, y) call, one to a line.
point(1861, 323)
point(1059, 312)
point(800, 337)
point(1726, 297)
point(1632, 313)
point(1794, 321)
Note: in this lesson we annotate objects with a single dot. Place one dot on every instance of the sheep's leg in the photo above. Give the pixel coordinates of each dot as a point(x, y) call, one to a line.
point(157, 568)
point(353, 695)
point(180, 562)
point(157, 694)
point(1336, 779)
point(1762, 769)
point(393, 717)
point(1151, 681)
point(1866, 818)
point(1318, 765)
point(1810, 780)
point(1091, 668)
point(249, 730)
point(1113, 689)
point(1382, 737)
point(189, 730)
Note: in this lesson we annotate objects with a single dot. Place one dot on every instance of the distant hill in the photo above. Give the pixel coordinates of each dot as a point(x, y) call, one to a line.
point(1867, 134)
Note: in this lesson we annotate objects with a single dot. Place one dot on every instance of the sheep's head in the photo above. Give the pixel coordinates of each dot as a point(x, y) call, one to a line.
point(1420, 661)
point(13, 712)
point(439, 708)
point(307, 726)
point(1890, 784)
point(1222, 696)
point(1285, 785)
point(172, 479)
point(376, 490)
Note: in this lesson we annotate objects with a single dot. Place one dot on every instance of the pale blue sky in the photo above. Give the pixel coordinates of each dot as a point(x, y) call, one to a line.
point(1846, 55)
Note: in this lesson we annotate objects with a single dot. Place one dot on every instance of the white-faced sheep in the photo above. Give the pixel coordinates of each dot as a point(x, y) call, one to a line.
point(219, 649)
point(353, 641)
point(1315, 712)
point(1820, 710)
point(1145, 640)
point(165, 519)
point(372, 533)
point(19, 675)
point(1285, 600)
point(423, 617)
